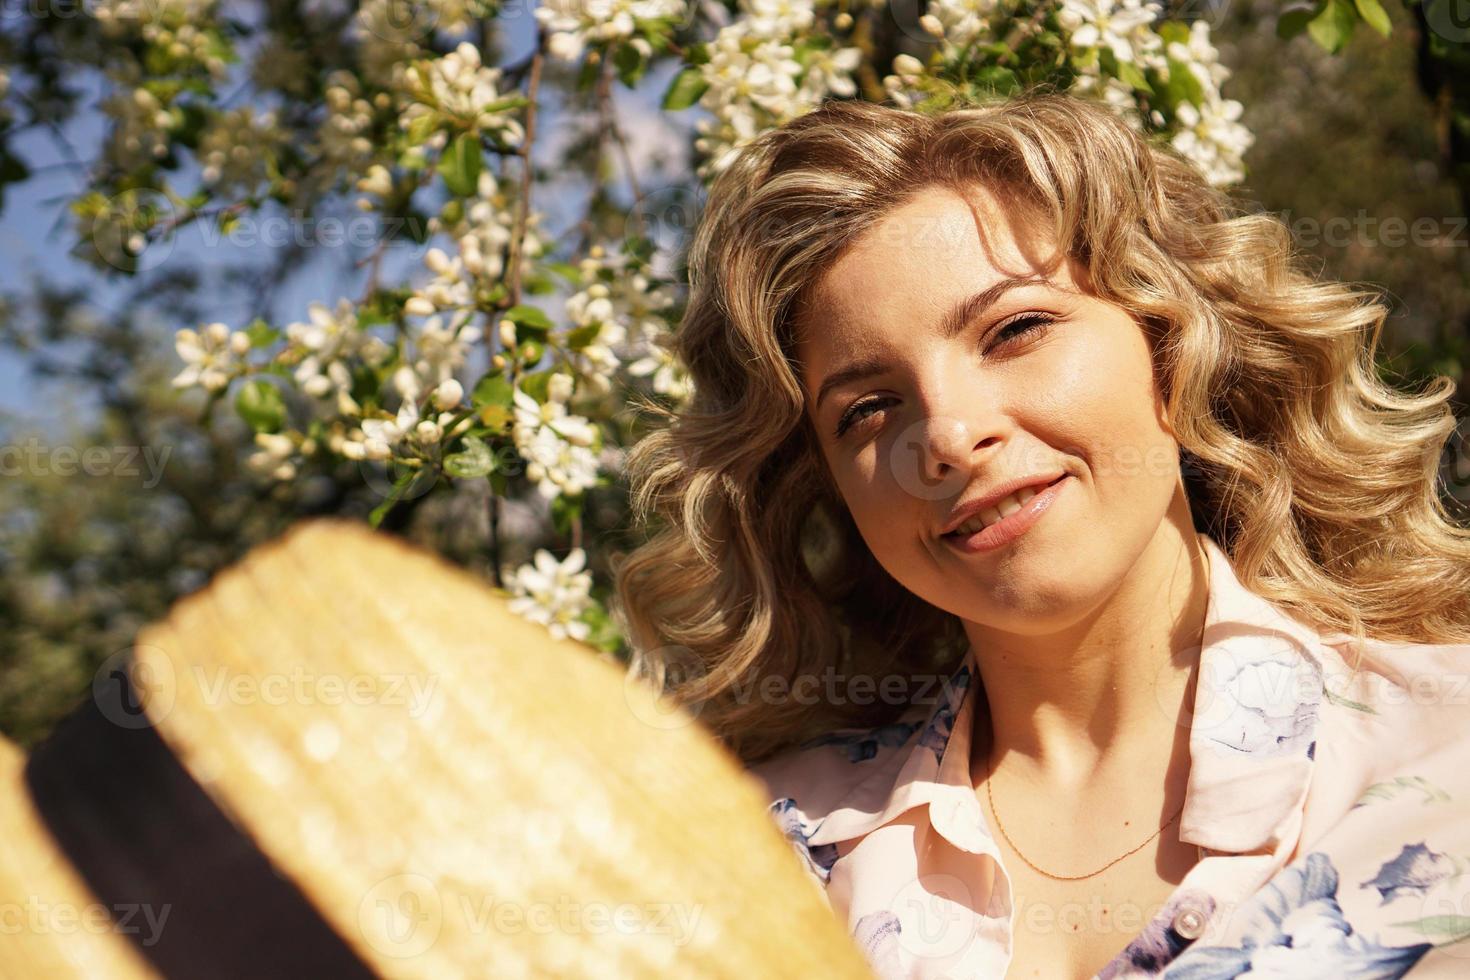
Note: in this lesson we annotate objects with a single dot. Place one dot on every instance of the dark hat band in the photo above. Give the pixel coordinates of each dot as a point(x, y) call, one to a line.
point(144, 835)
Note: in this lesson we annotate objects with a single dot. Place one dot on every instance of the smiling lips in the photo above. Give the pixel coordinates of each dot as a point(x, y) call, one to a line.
point(1006, 520)
point(990, 515)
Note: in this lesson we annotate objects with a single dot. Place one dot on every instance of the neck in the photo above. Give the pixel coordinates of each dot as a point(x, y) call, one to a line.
point(1110, 692)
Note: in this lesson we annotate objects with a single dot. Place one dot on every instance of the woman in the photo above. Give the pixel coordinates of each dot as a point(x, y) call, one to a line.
point(1043, 538)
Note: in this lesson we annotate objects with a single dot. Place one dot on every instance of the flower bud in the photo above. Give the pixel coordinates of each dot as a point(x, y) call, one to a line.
point(907, 64)
point(448, 395)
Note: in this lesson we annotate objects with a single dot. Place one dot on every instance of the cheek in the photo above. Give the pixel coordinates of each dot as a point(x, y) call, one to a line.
point(879, 506)
point(1112, 415)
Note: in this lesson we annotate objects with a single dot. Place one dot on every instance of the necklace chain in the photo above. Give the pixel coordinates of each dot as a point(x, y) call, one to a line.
point(1028, 861)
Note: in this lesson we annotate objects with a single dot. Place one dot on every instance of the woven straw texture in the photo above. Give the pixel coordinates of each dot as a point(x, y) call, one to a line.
point(51, 925)
point(459, 793)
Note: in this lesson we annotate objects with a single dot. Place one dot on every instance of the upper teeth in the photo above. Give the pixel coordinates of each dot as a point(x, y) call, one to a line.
point(990, 515)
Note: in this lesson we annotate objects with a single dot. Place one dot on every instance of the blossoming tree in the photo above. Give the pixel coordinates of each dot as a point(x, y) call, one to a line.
point(452, 374)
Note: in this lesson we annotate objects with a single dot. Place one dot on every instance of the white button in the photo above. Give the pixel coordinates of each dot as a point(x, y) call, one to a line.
point(1189, 923)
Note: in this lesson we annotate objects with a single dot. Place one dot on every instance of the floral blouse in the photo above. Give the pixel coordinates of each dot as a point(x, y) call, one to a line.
point(1332, 809)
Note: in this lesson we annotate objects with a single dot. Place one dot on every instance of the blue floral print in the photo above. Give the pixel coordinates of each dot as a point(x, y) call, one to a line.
point(937, 732)
point(876, 934)
point(1299, 931)
point(1416, 870)
point(1158, 944)
point(820, 858)
point(1273, 702)
point(862, 746)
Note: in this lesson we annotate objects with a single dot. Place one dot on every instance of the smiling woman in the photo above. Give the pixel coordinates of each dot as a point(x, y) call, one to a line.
point(1007, 395)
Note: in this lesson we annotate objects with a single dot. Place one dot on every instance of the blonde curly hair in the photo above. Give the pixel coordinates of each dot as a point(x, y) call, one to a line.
point(1318, 479)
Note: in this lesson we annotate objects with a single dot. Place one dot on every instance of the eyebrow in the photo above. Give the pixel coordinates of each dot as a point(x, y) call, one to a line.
point(950, 325)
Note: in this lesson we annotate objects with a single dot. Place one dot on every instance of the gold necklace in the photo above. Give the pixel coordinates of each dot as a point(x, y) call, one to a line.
point(1198, 850)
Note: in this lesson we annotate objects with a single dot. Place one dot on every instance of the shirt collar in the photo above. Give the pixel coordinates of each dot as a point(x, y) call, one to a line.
point(1252, 735)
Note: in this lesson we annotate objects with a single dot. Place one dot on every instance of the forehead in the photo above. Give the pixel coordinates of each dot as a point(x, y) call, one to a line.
point(917, 259)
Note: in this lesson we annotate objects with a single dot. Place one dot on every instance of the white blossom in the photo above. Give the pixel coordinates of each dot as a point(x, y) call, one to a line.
point(557, 446)
point(962, 21)
point(462, 90)
point(441, 348)
point(1121, 26)
point(1212, 138)
point(345, 135)
point(628, 311)
point(575, 24)
point(235, 147)
point(273, 458)
point(554, 593)
point(326, 339)
point(1200, 55)
point(212, 356)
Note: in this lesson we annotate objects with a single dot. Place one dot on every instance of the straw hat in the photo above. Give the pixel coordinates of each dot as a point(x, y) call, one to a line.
point(352, 760)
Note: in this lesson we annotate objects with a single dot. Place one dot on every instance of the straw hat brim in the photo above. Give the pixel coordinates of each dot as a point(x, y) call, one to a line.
point(455, 792)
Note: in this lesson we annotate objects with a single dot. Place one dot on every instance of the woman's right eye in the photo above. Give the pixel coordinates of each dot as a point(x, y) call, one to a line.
point(858, 411)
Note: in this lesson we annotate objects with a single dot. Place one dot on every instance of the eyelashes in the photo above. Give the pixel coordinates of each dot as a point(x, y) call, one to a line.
point(1022, 326)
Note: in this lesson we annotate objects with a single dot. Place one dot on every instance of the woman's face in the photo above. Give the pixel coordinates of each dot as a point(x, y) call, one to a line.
point(1048, 380)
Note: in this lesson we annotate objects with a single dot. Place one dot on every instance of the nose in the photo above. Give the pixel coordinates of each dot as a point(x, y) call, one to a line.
point(935, 457)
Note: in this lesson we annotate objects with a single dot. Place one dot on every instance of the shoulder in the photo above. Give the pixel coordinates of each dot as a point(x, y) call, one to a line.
point(1399, 703)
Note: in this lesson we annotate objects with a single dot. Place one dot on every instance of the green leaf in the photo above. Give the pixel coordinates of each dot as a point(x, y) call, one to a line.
point(563, 510)
point(1183, 86)
point(536, 384)
point(583, 335)
point(421, 128)
point(1293, 22)
point(492, 389)
point(1132, 75)
point(566, 270)
point(461, 164)
point(1457, 927)
point(1332, 28)
point(473, 460)
point(630, 64)
point(1174, 30)
point(528, 319)
point(261, 406)
point(262, 334)
point(997, 78)
point(587, 77)
point(685, 90)
point(1349, 703)
point(1377, 18)
point(396, 494)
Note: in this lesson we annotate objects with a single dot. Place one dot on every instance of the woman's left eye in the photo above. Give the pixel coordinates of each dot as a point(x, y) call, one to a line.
point(1023, 325)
